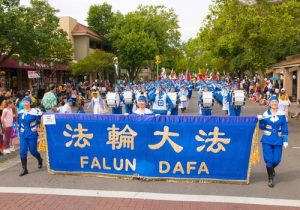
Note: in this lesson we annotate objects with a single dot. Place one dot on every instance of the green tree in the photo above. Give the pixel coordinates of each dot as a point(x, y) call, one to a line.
point(236, 37)
point(101, 18)
point(99, 61)
point(32, 33)
point(140, 35)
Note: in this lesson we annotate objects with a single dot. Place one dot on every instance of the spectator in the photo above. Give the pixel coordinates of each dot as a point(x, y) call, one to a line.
point(74, 95)
point(49, 100)
point(284, 102)
point(7, 124)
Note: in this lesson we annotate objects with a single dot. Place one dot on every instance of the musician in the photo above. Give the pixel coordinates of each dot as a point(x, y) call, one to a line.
point(233, 110)
point(118, 107)
point(183, 96)
point(128, 106)
point(174, 111)
point(141, 92)
point(205, 111)
point(28, 121)
point(162, 104)
point(142, 110)
point(225, 103)
point(275, 136)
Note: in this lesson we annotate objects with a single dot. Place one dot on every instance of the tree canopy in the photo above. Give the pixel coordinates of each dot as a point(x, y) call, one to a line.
point(138, 36)
point(32, 33)
point(99, 61)
point(236, 37)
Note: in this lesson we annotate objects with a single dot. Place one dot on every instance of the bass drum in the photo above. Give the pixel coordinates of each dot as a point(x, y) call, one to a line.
point(112, 99)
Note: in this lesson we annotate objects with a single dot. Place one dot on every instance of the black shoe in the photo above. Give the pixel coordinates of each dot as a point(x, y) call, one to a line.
point(270, 177)
point(40, 161)
point(24, 167)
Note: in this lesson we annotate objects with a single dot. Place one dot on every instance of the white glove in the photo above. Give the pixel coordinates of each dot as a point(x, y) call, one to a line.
point(259, 117)
point(126, 114)
point(156, 115)
point(169, 113)
point(285, 144)
point(156, 92)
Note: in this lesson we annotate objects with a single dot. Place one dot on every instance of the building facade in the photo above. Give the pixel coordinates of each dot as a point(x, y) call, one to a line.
point(289, 72)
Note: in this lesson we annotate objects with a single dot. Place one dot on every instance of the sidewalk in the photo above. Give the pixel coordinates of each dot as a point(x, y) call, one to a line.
point(294, 108)
point(34, 201)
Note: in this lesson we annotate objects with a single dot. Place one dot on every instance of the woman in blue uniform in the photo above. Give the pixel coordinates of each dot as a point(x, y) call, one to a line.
point(162, 104)
point(28, 120)
point(273, 123)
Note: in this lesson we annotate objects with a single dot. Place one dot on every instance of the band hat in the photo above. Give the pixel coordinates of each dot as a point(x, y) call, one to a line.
point(70, 100)
point(28, 99)
point(142, 98)
point(273, 98)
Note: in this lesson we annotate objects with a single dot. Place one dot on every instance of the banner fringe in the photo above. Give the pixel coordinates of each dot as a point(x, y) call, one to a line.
point(255, 154)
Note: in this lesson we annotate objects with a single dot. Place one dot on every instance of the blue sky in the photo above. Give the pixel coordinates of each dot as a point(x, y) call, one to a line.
point(190, 13)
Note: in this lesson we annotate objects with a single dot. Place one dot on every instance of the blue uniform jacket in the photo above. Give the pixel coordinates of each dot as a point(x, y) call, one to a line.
point(275, 128)
point(28, 123)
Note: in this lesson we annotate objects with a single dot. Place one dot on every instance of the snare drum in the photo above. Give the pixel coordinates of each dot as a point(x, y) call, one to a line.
point(128, 97)
point(112, 99)
point(207, 99)
point(238, 98)
point(183, 98)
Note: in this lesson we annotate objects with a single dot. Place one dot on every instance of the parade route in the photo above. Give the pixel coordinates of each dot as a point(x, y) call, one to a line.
point(42, 190)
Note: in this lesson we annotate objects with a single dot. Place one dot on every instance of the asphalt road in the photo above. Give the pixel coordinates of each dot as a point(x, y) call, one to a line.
point(287, 176)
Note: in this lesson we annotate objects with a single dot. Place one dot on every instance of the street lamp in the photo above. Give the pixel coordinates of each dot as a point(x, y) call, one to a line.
point(157, 61)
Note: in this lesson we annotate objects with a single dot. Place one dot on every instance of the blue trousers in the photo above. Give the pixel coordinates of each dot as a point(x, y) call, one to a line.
point(128, 108)
point(30, 143)
point(234, 111)
point(206, 112)
point(272, 154)
point(174, 111)
point(117, 110)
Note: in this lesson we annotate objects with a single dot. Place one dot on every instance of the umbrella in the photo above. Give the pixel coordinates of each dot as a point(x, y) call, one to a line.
point(274, 78)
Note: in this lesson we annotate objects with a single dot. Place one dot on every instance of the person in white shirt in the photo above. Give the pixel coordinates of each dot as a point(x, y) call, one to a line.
point(66, 109)
point(284, 102)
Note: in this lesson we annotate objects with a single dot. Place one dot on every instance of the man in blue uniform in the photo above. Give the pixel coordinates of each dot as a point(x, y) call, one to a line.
point(273, 123)
point(28, 120)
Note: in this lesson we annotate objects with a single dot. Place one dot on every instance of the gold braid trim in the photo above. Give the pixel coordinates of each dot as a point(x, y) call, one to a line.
point(255, 154)
point(42, 137)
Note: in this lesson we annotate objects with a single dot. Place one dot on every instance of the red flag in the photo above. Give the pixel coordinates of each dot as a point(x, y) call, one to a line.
point(188, 76)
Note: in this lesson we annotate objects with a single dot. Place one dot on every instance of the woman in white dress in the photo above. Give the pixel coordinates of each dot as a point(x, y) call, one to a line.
point(96, 103)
